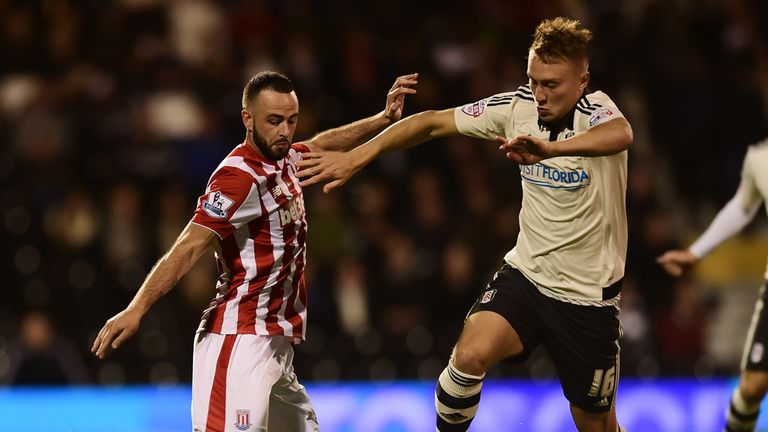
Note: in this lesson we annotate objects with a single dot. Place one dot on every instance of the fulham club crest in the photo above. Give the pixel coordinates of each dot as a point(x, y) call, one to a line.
point(243, 419)
point(474, 109)
point(488, 296)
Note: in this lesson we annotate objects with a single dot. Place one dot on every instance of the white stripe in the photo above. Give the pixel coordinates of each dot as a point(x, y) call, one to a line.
point(288, 290)
point(280, 182)
point(299, 307)
point(278, 248)
point(248, 261)
point(206, 354)
point(250, 209)
point(236, 162)
point(752, 328)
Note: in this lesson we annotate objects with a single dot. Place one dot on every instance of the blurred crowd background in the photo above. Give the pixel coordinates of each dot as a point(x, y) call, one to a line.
point(114, 113)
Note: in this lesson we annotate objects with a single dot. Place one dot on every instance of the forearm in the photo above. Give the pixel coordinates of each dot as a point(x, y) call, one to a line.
point(606, 139)
point(729, 221)
point(349, 136)
point(169, 269)
point(407, 133)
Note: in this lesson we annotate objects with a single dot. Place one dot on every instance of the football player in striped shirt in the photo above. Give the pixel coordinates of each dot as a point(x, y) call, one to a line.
point(252, 213)
point(559, 286)
point(733, 217)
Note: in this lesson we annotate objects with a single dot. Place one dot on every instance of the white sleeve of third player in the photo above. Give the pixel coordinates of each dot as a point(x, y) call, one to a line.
point(731, 219)
point(739, 211)
point(486, 118)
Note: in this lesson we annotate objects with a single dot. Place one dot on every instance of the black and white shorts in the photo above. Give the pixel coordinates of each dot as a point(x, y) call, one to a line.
point(754, 357)
point(583, 341)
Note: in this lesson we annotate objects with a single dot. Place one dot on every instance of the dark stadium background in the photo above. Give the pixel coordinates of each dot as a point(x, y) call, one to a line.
point(113, 115)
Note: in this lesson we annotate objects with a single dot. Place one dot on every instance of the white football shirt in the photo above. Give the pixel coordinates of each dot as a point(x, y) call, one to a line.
point(753, 189)
point(573, 222)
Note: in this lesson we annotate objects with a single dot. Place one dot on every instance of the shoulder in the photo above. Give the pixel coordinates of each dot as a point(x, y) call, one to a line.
point(235, 168)
point(300, 147)
point(500, 103)
point(758, 151)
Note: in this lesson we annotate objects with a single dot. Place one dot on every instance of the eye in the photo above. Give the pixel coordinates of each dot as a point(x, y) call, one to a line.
point(273, 122)
point(551, 85)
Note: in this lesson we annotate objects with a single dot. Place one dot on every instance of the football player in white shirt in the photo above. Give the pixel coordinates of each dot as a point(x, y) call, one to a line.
point(560, 285)
point(737, 213)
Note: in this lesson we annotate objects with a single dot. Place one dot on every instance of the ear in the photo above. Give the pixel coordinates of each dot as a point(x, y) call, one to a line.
point(247, 119)
point(584, 80)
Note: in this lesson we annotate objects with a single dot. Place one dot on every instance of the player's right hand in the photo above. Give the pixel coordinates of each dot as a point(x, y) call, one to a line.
point(332, 167)
point(117, 329)
point(675, 262)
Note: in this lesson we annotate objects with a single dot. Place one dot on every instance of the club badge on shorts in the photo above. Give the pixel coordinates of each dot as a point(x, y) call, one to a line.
point(243, 419)
point(488, 296)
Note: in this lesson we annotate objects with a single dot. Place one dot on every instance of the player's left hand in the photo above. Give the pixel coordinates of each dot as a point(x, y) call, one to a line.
point(525, 149)
point(333, 167)
point(393, 109)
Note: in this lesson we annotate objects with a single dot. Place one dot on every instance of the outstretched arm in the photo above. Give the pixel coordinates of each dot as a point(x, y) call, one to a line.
point(605, 139)
point(349, 136)
point(186, 251)
point(729, 221)
point(336, 168)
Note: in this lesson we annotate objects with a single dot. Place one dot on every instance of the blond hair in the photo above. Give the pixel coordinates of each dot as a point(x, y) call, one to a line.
point(561, 39)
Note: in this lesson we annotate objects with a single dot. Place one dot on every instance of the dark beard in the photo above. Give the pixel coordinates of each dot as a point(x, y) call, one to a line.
point(264, 148)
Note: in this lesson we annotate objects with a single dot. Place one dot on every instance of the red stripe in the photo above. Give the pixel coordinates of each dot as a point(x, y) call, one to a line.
point(300, 285)
point(217, 405)
point(231, 254)
point(246, 312)
point(263, 251)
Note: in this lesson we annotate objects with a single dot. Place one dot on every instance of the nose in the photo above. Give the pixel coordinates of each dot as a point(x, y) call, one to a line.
point(285, 130)
point(540, 96)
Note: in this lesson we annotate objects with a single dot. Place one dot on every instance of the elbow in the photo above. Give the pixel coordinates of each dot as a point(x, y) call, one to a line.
point(627, 137)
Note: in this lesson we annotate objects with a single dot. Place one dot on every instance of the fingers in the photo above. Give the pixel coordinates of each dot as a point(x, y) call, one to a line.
point(125, 334)
point(504, 144)
point(101, 345)
point(514, 156)
point(310, 181)
point(97, 341)
point(394, 108)
point(400, 91)
point(405, 80)
point(309, 172)
point(333, 185)
point(673, 269)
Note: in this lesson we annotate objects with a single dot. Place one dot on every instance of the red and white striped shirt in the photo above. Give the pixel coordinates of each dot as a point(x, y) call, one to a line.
point(256, 208)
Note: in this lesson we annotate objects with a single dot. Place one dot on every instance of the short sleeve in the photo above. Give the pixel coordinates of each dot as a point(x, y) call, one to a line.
point(486, 118)
point(231, 200)
point(748, 194)
point(602, 109)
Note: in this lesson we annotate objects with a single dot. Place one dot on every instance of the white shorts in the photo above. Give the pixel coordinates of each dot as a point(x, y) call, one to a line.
point(246, 383)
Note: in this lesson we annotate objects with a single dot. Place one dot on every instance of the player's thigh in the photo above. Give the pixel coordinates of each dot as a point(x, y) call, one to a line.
point(583, 342)
point(290, 408)
point(487, 338)
point(502, 323)
point(233, 392)
point(594, 422)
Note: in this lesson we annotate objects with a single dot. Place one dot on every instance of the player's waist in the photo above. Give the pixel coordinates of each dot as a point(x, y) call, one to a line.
point(597, 292)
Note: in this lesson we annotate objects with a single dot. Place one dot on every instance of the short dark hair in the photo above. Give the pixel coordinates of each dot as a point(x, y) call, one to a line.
point(267, 80)
point(561, 38)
